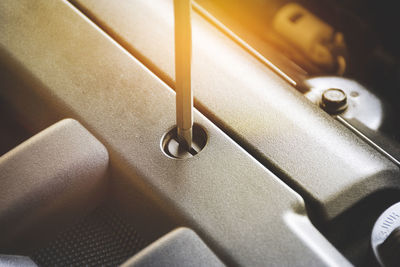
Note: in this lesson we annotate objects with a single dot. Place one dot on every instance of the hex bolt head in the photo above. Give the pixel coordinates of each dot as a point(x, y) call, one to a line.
point(334, 101)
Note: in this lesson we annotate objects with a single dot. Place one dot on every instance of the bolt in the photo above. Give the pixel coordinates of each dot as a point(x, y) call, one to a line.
point(334, 101)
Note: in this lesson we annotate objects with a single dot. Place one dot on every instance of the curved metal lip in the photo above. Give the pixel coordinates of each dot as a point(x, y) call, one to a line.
point(384, 226)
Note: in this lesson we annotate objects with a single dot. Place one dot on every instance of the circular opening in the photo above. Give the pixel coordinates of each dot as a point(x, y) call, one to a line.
point(354, 94)
point(171, 147)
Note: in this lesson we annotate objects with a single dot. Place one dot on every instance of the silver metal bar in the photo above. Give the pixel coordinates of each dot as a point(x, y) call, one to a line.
point(200, 10)
point(367, 140)
point(183, 54)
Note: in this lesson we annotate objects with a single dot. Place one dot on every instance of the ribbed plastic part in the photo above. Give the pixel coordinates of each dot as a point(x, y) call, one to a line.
point(101, 239)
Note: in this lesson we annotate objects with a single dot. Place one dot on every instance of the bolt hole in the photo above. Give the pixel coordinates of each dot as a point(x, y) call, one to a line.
point(172, 149)
point(354, 94)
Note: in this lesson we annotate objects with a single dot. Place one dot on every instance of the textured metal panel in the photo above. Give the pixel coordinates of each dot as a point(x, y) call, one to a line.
point(179, 248)
point(237, 206)
point(317, 156)
point(103, 238)
point(49, 180)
